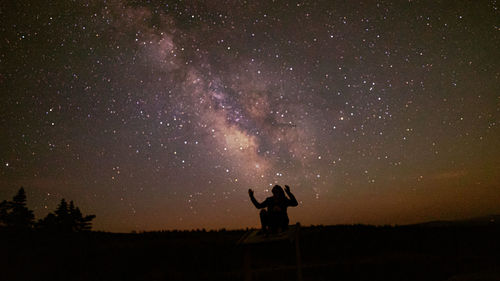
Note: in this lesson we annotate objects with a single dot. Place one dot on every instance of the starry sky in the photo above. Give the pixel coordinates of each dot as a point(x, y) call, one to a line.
point(162, 114)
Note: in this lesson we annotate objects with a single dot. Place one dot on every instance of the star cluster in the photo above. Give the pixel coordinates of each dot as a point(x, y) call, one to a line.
point(161, 114)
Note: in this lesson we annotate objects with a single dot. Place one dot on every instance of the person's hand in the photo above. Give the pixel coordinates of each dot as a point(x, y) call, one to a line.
point(250, 192)
point(287, 189)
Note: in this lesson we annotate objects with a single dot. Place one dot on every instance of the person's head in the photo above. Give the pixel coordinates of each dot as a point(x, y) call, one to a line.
point(278, 192)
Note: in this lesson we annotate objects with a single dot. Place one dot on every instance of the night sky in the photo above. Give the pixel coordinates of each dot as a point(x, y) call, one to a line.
point(162, 114)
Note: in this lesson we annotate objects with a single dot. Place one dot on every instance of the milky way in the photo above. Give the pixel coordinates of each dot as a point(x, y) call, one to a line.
point(161, 115)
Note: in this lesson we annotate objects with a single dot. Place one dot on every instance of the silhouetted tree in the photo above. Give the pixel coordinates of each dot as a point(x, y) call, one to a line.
point(64, 222)
point(15, 214)
point(48, 223)
point(80, 222)
point(66, 219)
point(3, 212)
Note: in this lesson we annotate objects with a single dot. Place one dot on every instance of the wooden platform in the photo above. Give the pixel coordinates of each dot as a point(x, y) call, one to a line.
point(254, 237)
point(257, 236)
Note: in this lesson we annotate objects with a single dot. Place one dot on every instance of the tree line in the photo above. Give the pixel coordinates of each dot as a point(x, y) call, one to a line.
point(15, 215)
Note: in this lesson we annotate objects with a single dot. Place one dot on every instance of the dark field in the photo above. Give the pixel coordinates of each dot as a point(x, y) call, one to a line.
point(423, 252)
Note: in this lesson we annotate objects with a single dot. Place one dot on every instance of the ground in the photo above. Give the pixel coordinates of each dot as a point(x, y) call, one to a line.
point(424, 252)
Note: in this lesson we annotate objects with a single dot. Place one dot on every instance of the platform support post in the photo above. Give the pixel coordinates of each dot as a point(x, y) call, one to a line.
point(297, 254)
point(247, 263)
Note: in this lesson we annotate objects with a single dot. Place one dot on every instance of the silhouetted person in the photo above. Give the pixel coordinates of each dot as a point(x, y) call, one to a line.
point(275, 219)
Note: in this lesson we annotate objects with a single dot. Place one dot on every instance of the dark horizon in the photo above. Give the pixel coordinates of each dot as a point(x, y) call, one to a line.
point(434, 223)
point(475, 221)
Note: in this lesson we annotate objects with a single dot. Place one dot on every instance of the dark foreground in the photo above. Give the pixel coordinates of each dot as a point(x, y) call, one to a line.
point(425, 252)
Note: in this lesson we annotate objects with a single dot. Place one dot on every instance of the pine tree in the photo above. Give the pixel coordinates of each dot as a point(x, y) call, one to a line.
point(66, 218)
point(48, 223)
point(4, 207)
point(15, 214)
point(79, 222)
point(64, 222)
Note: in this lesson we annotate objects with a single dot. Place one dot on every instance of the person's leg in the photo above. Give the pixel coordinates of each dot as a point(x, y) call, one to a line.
point(273, 222)
point(285, 223)
point(264, 219)
point(281, 222)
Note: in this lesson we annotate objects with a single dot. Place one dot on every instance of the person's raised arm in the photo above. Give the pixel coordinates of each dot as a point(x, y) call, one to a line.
point(256, 204)
point(293, 202)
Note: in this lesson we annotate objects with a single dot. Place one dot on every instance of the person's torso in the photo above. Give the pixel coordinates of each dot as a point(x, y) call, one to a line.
point(277, 206)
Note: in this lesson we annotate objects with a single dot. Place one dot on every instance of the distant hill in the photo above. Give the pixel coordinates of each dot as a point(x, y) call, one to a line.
point(490, 220)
